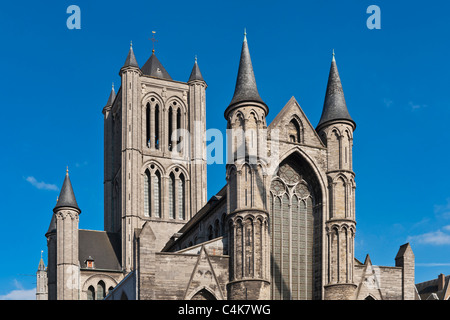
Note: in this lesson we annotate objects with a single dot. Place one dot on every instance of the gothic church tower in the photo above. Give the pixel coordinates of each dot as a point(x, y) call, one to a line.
point(155, 153)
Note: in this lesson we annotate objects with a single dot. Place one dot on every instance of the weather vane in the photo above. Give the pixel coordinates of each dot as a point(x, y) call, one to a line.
point(153, 40)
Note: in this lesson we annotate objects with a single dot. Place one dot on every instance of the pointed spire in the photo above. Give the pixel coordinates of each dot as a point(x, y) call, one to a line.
point(131, 59)
point(112, 96)
point(41, 266)
point(245, 89)
point(195, 73)
point(52, 227)
point(334, 107)
point(66, 196)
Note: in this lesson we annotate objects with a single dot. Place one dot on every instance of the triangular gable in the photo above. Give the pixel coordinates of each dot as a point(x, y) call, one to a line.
point(203, 277)
point(369, 284)
point(291, 110)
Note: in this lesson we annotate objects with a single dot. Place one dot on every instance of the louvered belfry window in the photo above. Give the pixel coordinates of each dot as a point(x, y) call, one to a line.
point(292, 226)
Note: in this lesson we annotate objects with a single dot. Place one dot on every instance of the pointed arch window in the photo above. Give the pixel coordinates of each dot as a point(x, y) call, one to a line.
point(178, 129)
point(210, 233)
point(91, 293)
point(170, 128)
point(147, 125)
point(147, 204)
point(172, 196)
point(157, 121)
point(100, 290)
point(294, 131)
point(181, 197)
point(217, 228)
point(292, 232)
point(248, 186)
point(152, 194)
point(157, 194)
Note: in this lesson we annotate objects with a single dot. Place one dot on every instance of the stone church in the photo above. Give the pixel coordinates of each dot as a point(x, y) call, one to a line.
point(283, 226)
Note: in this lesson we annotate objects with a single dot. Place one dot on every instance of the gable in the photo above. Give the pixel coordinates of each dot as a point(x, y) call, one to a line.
point(293, 111)
point(203, 277)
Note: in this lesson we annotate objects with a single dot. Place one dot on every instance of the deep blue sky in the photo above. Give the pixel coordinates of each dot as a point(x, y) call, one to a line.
point(55, 82)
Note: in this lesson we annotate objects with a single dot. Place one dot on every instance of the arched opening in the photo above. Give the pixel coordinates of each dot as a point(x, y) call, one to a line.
point(172, 196)
point(295, 217)
point(157, 194)
point(147, 124)
point(181, 197)
point(147, 190)
point(91, 293)
point(178, 130)
point(203, 295)
point(170, 128)
point(217, 228)
point(157, 121)
point(294, 131)
point(210, 233)
point(101, 293)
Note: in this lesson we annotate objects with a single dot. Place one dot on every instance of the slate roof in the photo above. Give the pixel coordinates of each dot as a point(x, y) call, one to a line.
point(102, 246)
point(246, 89)
point(66, 196)
point(430, 288)
point(334, 107)
point(111, 98)
point(195, 73)
point(131, 59)
point(154, 68)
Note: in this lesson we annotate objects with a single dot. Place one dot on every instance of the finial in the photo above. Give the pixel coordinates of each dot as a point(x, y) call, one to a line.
point(42, 251)
point(112, 86)
point(67, 170)
point(195, 58)
point(153, 40)
point(333, 56)
point(57, 199)
point(245, 34)
point(131, 44)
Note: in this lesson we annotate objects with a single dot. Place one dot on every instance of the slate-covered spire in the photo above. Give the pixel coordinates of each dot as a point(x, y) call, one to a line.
point(41, 266)
point(195, 73)
point(334, 107)
point(111, 98)
point(66, 196)
point(131, 59)
point(245, 90)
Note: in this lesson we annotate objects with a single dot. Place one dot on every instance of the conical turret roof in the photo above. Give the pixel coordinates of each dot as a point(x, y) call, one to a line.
point(111, 98)
point(334, 107)
point(41, 266)
point(195, 73)
point(66, 196)
point(245, 89)
point(131, 59)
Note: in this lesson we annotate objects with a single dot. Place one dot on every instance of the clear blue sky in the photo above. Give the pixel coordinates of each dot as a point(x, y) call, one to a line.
point(55, 82)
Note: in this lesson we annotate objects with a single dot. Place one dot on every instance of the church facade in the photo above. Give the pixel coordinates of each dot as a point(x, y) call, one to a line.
point(283, 226)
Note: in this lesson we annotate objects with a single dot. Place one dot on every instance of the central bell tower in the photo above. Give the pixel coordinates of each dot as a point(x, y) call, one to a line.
point(155, 153)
